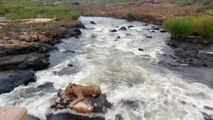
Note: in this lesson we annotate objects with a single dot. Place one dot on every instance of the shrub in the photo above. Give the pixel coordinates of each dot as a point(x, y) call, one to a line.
point(179, 27)
point(182, 27)
point(130, 16)
point(204, 26)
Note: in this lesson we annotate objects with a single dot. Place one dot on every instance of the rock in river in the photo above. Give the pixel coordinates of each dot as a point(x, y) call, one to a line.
point(11, 79)
point(26, 61)
point(123, 28)
point(69, 116)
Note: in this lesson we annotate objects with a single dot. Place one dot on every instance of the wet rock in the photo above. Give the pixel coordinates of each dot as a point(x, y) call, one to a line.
point(7, 50)
point(69, 51)
point(132, 104)
point(145, 24)
point(148, 36)
point(100, 103)
point(130, 26)
point(92, 22)
point(140, 49)
point(118, 117)
point(79, 25)
point(154, 28)
point(32, 118)
point(208, 108)
point(163, 31)
point(77, 31)
point(207, 117)
point(70, 116)
point(11, 79)
point(123, 28)
point(70, 65)
point(35, 60)
point(114, 30)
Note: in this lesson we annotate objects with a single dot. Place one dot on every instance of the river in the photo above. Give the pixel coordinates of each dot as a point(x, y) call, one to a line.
point(138, 87)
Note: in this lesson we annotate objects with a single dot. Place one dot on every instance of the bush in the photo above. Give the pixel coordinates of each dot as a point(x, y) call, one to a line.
point(179, 27)
point(130, 16)
point(182, 27)
point(204, 26)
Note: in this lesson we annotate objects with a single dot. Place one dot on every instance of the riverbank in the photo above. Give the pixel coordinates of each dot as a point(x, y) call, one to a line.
point(150, 12)
point(188, 51)
point(25, 46)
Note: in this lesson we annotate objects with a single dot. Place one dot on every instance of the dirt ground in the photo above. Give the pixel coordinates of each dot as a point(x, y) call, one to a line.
point(147, 12)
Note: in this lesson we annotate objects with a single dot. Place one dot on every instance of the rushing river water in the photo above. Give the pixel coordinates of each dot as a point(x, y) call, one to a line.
point(137, 86)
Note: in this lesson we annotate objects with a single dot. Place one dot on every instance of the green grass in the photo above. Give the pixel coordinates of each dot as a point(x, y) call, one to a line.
point(181, 27)
point(14, 9)
point(130, 16)
point(94, 0)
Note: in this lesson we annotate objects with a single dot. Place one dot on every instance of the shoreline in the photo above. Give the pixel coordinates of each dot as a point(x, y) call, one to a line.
point(26, 50)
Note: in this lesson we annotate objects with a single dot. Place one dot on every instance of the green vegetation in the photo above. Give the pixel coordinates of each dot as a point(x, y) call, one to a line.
point(207, 8)
point(19, 9)
point(130, 16)
point(181, 27)
point(93, 0)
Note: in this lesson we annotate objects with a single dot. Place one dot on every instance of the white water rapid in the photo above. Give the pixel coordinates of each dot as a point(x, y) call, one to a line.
point(137, 86)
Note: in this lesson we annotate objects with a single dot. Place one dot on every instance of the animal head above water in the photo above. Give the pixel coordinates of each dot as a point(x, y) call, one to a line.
point(70, 88)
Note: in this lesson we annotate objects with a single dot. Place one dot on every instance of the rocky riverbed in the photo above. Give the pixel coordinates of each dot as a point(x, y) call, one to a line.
point(25, 46)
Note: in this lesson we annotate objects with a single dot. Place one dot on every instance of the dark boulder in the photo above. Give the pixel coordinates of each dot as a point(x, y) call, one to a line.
point(77, 31)
point(79, 25)
point(140, 49)
point(70, 65)
point(148, 36)
point(100, 103)
point(25, 49)
point(92, 22)
point(11, 79)
point(130, 26)
point(26, 61)
point(32, 118)
point(69, 116)
point(123, 28)
point(154, 28)
point(163, 31)
point(114, 30)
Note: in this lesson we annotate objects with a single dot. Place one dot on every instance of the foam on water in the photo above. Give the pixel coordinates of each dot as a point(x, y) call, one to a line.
point(138, 88)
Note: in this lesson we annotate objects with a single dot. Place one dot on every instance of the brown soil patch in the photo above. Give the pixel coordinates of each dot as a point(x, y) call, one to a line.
point(148, 12)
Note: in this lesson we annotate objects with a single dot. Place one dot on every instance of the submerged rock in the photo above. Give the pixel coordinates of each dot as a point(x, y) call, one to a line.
point(130, 26)
point(140, 49)
point(92, 22)
point(148, 36)
point(11, 79)
point(114, 30)
point(123, 28)
point(69, 116)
